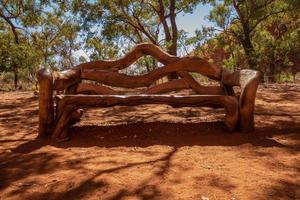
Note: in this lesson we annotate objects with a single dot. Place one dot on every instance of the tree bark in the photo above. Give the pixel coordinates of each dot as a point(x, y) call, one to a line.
point(245, 39)
point(16, 75)
point(249, 51)
point(173, 47)
point(272, 73)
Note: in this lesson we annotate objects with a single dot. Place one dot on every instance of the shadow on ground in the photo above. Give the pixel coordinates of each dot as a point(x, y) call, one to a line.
point(151, 158)
point(158, 133)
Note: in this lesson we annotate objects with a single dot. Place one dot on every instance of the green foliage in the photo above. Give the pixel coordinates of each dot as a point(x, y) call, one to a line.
point(55, 38)
point(101, 51)
point(122, 24)
point(284, 77)
point(35, 34)
point(24, 55)
point(244, 19)
point(262, 34)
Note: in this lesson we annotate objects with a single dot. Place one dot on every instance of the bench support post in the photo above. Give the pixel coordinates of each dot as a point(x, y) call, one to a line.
point(46, 108)
point(249, 81)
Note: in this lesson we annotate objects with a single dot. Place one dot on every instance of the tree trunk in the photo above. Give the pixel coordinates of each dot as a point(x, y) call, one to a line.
point(272, 73)
point(171, 51)
point(249, 51)
point(16, 76)
point(173, 47)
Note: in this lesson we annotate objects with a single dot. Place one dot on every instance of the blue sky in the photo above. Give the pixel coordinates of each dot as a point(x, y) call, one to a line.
point(191, 22)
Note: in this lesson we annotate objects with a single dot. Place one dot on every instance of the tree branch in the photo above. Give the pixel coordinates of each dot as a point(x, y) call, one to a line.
point(174, 27)
point(13, 27)
point(163, 20)
point(266, 17)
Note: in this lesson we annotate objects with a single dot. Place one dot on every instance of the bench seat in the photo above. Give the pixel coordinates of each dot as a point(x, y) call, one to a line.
point(108, 100)
point(68, 106)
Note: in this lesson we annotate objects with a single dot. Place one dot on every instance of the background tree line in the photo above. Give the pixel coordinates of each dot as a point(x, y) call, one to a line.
point(260, 34)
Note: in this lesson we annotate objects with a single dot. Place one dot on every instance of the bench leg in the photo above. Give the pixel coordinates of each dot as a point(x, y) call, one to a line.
point(62, 123)
point(232, 114)
point(246, 120)
point(68, 117)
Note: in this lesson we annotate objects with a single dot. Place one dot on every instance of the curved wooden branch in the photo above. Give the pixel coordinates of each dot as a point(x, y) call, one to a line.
point(169, 86)
point(63, 121)
point(105, 71)
point(166, 87)
point(69, 115)
point(65, 79)
point(76, 115)
point(199, 89)
point(189, 64)
point(137, 52)
point(94, 89)
point(230, 78)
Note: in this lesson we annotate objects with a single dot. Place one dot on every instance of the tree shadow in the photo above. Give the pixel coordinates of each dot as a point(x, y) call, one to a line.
point(41, 164)
point(36, 158)
point(156, 133)
point(284, 189)
point(19, 114)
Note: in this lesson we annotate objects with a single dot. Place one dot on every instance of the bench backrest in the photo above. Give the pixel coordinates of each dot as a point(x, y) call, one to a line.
point(107, 74)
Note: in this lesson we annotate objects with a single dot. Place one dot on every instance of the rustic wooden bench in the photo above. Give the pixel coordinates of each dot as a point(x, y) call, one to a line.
point(57, 114)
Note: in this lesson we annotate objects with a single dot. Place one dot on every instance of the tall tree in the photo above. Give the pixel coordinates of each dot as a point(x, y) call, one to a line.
point(55, 36)
point(278, 44)
point(45, 26)
point(136, 21)
point(10, 12)
point(24, 55)
point(241, 19)
point(18, 14)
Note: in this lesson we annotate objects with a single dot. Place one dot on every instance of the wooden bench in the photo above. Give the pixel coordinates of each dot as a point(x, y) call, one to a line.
point(57, 114)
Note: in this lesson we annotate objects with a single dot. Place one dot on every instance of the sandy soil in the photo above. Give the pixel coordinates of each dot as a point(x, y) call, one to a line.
point(153, 152)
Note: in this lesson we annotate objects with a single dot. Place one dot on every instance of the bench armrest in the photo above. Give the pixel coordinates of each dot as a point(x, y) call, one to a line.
point(48, 82)
point(249, 81)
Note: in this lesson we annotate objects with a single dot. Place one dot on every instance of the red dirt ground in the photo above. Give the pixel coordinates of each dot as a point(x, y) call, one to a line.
point(153, 152)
